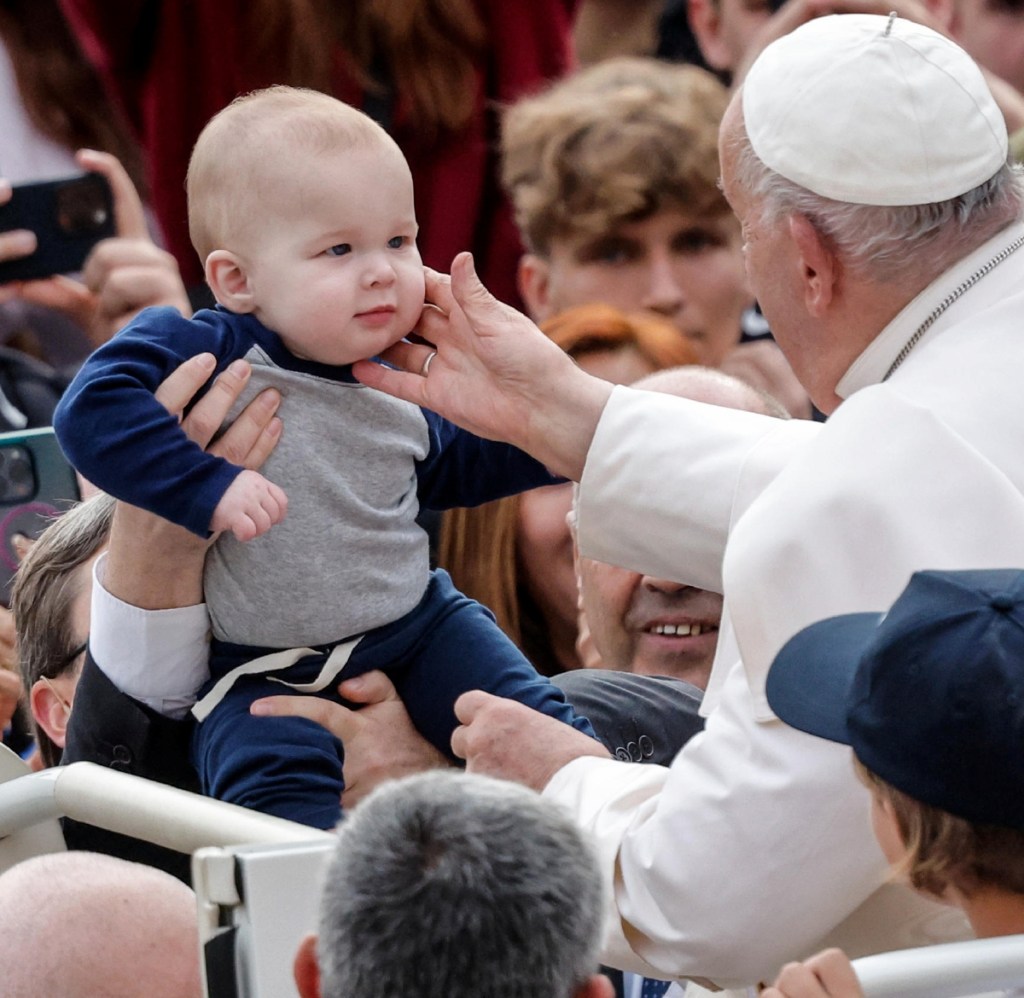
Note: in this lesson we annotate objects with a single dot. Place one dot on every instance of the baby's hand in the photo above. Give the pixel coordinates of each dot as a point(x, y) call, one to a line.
point(250, 507)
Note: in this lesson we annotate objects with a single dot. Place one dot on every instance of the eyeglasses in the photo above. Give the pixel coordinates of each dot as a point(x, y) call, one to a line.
point(66, 704)
point(71, 656)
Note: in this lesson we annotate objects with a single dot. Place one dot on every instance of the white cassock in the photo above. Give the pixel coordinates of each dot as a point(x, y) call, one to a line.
point(755, 847)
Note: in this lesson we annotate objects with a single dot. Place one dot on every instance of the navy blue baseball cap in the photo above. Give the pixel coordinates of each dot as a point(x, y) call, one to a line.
point(930, 696)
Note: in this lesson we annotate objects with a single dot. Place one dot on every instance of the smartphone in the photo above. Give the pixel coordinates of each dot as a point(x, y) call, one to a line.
point(36, 485)
point(68, 216)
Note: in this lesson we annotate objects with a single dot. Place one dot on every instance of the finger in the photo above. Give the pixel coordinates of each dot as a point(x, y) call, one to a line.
point(409, 387)
point(432, 326)
point(371, 687)
point(460, 742)
point(409, 357)
point(17, 243)
point(10, 685)
point(470, 704)
point(254, 434)
point(8, 639)
point(207, 416)
point(129, 216)
point(280, 503)
point(63, 294)
point(261, 519)
point(833, 968)
point(112, 254)
point(340, 721)
point(135, 286)
point(438, 289)
point(795, 980)
point(180, 386)
point(5, 190)
point(21, 545)
point(246, 528)
point(264, 445)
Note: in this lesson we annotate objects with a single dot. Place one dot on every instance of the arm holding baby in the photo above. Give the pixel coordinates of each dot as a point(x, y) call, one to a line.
point(116, 433)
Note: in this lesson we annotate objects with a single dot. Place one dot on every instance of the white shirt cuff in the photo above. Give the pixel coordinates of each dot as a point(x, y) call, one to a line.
point(159, 657)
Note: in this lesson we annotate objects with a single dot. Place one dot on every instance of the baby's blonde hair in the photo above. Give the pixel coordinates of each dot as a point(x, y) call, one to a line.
point(245, 151)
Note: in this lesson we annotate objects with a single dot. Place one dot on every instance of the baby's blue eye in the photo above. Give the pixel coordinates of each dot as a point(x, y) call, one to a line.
point(396, 242)
point(340, 249)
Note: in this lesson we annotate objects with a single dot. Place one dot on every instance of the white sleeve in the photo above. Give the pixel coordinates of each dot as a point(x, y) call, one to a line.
point(737, 858)
point(661, 465)
point(159, 657)
point(754, 848)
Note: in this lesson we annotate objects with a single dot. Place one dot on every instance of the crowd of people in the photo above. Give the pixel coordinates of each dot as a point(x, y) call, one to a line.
point(730, 638)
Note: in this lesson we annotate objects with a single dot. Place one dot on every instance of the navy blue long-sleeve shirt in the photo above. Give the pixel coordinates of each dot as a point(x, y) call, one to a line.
point(356, 465)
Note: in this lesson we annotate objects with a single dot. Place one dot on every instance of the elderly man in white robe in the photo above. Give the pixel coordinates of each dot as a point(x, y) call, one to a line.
point(866, 161)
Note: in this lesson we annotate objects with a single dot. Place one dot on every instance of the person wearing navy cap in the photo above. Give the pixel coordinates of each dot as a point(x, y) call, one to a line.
point(930, 697)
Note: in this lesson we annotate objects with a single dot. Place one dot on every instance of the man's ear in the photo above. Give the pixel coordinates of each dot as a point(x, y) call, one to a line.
point(818, 264)
point(49, 712)
point(305, 968)
point(534, 280)
point(228, 281)
point(706, 25)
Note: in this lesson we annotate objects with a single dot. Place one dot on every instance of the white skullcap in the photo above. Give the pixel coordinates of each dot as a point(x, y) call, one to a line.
point(873, 110)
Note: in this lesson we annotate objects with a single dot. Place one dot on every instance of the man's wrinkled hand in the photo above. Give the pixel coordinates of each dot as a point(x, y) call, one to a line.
point(380, 741)
point(511, 741)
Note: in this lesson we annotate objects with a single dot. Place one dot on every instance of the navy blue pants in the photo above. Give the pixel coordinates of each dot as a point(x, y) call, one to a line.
point(291, 767)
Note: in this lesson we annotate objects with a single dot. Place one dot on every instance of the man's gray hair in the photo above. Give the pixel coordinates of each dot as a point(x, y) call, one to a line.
point(885, 243)
point(449, 884)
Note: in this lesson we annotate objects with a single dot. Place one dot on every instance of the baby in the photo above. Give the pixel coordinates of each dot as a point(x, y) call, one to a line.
point(929, 698)
point(302, 210)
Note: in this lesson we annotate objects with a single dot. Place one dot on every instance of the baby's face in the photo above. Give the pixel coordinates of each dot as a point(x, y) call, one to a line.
point(333, 267)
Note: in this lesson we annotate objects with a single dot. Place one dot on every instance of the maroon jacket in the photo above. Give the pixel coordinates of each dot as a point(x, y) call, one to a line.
point(172, 66)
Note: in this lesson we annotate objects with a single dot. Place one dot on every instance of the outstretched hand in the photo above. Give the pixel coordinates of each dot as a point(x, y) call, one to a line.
point(491, 371)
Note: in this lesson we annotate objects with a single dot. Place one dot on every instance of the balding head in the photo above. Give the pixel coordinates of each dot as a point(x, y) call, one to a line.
point(703, 384)
point(84, 925)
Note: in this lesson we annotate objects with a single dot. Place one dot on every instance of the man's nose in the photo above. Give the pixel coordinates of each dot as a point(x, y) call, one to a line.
point(661, 585)
point(664, 294)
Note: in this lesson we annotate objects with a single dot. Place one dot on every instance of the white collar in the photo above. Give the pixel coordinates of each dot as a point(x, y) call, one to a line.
point(871, 366)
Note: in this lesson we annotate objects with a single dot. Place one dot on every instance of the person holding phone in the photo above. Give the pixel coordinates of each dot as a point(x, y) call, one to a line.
point(121, 276)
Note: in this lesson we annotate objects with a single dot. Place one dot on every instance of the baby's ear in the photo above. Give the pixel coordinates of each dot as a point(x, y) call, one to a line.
point(229, 281)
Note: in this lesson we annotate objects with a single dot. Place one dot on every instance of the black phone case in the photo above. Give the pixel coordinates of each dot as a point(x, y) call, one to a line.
point(68, 216)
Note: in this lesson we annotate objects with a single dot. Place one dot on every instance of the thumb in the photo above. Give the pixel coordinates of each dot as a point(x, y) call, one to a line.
point(371, 687)
point(470, 704)
point(468, 290)
point(338, 720)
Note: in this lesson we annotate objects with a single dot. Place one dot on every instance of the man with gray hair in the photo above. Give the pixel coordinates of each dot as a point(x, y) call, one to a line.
point(447, 884)
point(866, 160)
